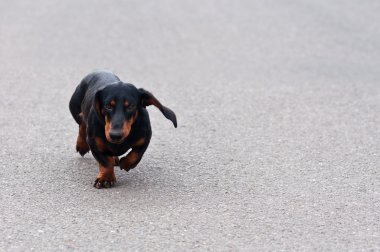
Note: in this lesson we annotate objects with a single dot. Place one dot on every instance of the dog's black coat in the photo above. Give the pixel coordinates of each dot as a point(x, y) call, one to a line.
point(113, 119)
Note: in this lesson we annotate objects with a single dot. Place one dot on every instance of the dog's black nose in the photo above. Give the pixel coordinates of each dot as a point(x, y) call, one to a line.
point(116, 135)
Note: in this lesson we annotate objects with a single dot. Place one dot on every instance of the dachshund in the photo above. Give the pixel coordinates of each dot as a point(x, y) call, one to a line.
point(113, 119)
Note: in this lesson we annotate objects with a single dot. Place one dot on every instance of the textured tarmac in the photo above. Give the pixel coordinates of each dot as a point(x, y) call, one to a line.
point(278, 139)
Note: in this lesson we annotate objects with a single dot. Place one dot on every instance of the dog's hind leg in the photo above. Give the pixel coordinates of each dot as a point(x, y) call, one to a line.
point(76, 111)
point(82, 146)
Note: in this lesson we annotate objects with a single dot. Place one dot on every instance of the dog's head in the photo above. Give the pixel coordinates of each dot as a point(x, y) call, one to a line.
point(118, 106)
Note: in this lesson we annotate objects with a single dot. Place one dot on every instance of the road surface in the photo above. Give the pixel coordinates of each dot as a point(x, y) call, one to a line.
point(278, 139)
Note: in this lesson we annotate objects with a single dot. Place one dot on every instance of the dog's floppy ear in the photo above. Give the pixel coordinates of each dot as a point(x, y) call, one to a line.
point(148, 99)
point(98, 105)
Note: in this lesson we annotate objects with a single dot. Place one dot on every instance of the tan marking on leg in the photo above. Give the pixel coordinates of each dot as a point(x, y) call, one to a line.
point(81, 145)
point(130, 161)
point(100, 144)
point(139, 142)
point(106, 176)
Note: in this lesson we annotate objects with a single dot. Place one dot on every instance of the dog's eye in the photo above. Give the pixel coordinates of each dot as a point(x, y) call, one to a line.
point(131, 107)
point(108, 107)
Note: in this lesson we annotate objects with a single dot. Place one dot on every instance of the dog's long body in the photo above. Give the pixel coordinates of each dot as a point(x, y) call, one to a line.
point(113, 119)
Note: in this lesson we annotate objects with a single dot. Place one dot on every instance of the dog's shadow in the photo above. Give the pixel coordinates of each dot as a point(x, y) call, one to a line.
point(85, 169)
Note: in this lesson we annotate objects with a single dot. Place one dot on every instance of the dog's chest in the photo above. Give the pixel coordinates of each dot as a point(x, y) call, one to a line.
point(119, 149)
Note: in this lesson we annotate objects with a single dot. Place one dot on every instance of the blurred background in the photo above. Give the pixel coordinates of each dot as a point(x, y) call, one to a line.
point(278, 108)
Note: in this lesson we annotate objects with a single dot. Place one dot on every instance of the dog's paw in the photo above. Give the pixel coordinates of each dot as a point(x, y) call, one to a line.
point(82, 148)
point(128, 162)
point(105, 181)
point(99, 184)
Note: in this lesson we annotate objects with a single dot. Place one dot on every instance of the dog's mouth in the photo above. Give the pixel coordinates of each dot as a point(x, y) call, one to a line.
point(116, 141)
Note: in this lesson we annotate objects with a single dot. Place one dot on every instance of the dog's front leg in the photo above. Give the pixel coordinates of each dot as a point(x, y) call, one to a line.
point(133, 158)
point(106, 176)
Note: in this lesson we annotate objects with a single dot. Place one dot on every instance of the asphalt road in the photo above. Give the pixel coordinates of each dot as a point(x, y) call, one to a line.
point(278, 139)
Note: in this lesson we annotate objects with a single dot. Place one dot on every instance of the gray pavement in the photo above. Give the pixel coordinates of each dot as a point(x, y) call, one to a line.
point(278, 144)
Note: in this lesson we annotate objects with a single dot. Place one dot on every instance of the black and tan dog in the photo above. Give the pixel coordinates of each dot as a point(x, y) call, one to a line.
point(113, 119)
